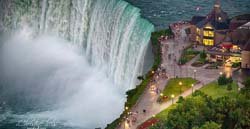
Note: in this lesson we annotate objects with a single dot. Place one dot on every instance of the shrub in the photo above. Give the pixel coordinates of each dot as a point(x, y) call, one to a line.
point(229, 87)
point(181, 99)
point(223, 80)
point(235, 65)
point(203, 55)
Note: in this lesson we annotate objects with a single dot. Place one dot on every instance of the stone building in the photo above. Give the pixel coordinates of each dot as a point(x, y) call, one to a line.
point(210, 29)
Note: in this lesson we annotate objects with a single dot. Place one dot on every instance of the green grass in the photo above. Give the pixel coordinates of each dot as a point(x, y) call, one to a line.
point(173, 86)
point(187, 55)
point(215, 91)
point(163, 114)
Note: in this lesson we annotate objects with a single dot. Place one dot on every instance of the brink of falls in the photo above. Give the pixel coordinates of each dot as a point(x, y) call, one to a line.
point(110, 34)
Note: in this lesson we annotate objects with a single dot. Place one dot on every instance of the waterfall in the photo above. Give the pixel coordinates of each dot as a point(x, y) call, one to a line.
point(111, 32)
point(110, 36)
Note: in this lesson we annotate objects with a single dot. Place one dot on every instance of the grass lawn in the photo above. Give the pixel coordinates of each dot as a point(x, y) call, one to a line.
point(216, 91)
point(187, 55)
point(173, 86)
point(163, 114)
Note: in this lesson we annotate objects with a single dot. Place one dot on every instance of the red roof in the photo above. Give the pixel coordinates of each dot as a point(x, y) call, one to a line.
point(227, 45)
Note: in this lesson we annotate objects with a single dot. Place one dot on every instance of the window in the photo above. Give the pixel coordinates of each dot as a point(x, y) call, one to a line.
point(198, 31)
point(208, 33)
point(208, 42)
point(197, 38)
point(208, 27)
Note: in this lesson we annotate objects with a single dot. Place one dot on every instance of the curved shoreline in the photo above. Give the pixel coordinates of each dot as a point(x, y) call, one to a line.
point(134, 95)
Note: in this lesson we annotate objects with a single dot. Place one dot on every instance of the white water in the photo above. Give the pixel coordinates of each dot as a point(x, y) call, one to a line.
point(50, 71)
point(82, 80)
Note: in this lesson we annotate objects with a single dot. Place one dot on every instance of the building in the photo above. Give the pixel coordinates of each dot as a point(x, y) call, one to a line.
point(245, 55)
point(238, 21)
point(210, 29)
point(241, 34)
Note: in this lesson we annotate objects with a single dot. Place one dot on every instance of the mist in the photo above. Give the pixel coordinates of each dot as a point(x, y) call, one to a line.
point(51, 78)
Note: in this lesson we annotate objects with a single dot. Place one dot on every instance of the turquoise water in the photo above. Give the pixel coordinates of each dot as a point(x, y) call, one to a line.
point(163, 12)
point(70, 63)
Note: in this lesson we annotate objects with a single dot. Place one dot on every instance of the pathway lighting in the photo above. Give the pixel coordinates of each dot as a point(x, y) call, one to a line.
point(172, 97)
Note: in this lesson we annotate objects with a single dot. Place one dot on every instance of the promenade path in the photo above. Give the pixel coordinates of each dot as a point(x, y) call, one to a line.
point(148, 100)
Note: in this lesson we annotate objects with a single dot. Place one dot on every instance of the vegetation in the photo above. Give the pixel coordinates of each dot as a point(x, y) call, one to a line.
point(173, 87)
point(236, 65)
point(216, 91)
point(134, 94)
point(209, 125)
point(156, 45)
point(246, 89)
point(188, 54)
point(201, 61)
point(162, 115)
point(213, 107)
point(214, 65)
point(223, 80)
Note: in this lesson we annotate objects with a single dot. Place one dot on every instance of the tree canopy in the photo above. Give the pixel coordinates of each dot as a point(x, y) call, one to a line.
point(203, 112)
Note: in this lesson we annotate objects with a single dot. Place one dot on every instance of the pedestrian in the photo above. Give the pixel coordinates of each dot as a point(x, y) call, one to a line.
point(144, 110)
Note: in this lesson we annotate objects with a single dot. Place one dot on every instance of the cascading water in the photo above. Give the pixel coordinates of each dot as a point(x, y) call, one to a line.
point(73, 82)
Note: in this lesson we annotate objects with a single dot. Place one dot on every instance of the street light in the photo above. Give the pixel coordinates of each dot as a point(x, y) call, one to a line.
point(195, 73)
point(161, 94)
point(172, 97)
point(192, 88)
point(180, 83)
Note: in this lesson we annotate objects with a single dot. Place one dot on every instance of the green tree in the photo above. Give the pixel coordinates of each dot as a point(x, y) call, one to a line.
point(210, 125)
point(222, 80)
point(203, 55)
point(246, 89)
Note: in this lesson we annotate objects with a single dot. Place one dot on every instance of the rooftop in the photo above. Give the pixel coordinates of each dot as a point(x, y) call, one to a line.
point(217, 18)
point(247, 46)
point(245, 26)
point(197, 19)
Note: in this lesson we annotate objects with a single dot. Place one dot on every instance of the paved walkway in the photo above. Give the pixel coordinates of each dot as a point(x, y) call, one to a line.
point(147, 105)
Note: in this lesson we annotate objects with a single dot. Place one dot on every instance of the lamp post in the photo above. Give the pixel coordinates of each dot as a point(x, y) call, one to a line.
point(180, 84)
point(172, 97)
point(161, 94)
point(221, 73)
point(192, 88)
point(195, 73)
